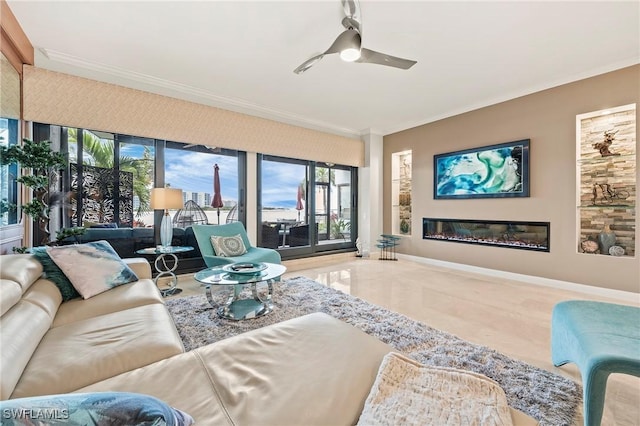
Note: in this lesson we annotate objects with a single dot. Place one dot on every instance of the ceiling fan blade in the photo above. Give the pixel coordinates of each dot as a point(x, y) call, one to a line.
point(349, 39)
point(346, 39)
point(308, 64)
point(371, 57)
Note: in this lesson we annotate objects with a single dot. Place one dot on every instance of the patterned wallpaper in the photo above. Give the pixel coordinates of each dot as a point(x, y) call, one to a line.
point(57, 98)
point(9, 90)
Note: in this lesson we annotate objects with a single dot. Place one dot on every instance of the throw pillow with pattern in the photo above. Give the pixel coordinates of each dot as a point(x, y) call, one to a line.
point(54, 274)
point(98, 408)
point(228, 246)
point(92, 268)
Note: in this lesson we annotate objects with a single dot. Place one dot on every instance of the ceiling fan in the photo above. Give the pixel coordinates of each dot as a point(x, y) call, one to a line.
point(349, 44)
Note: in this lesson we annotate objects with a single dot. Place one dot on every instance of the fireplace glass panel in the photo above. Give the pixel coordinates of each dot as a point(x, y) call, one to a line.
point(500, 233)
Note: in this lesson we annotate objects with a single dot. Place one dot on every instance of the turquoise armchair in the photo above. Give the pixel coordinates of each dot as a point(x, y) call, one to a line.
point(203, 235)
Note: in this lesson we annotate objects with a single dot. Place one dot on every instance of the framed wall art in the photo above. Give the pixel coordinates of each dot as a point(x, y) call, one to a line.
point(494, 171)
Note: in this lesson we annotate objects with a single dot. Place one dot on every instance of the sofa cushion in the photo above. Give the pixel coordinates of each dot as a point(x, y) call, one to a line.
point(54, 273)
point(87, 224)
point(228, 246)
point(138, 293)
point(95, 408)
point(23, 327)
point(169, 381)
point(84, 352)
point(10, 294)
point(97, 260)
point(24, 269)
point(45, 295)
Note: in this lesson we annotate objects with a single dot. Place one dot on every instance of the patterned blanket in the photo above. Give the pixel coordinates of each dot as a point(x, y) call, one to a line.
point(409, 393)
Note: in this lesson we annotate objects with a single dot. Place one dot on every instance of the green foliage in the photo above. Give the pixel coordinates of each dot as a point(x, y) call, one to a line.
point(35, 209)
point(339, 226)
point(69, 232)
point(20, 250)
point(42, 162)
point(37, 183)
point(6, 206)
point(33, 155)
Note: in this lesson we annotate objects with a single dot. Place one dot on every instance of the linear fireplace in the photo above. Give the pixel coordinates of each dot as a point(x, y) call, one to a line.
point(497, 233)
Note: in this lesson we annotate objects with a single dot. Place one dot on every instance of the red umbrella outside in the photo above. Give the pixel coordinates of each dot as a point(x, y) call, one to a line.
point(299, 205)
point(217, 197)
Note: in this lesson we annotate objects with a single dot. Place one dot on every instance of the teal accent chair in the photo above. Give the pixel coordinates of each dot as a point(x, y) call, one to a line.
point(203, 234)
point(600, 338)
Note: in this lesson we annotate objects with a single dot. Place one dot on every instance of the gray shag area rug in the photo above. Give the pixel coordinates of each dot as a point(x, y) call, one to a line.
point(547, 397)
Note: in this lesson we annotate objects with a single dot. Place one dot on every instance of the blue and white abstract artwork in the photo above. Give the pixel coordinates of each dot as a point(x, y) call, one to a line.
point(492, 171)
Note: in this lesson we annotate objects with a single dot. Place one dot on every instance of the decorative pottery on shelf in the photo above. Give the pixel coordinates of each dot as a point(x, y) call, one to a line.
point(404, 226)
point(589, 246)
point(606, 239)
point(616, 251)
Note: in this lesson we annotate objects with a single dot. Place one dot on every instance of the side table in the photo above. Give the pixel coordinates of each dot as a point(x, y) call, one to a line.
point(165, 268)
point(387, 245)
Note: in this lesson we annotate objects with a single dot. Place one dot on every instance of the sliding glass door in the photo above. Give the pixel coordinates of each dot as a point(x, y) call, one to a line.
point(305, 207)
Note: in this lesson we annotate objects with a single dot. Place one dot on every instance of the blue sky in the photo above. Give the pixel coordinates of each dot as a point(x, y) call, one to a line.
point(193, 171)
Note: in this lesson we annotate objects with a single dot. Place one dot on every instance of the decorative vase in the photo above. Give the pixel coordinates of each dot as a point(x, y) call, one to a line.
point(404, 226)
point(606, 239)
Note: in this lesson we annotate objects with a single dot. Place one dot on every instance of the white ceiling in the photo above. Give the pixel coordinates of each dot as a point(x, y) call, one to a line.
point(240, 55)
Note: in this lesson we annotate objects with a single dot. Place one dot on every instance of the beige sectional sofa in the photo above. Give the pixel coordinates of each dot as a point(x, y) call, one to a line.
point(49, 347)
point(312, 370)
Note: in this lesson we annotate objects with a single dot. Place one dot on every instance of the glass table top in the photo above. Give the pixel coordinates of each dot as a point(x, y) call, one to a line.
point(219, 276)
point(164, 250)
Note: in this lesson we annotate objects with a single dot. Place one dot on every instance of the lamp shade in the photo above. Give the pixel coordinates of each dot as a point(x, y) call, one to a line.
point(166, 198)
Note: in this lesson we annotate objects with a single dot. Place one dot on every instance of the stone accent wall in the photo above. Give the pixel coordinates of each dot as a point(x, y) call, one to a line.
point(608, 187)
point(405, 192)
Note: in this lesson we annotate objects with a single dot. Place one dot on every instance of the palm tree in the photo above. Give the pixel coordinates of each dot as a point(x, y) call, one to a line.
point(100, 153)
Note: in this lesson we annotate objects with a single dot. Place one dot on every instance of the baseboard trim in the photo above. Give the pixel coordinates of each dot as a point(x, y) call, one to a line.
point(626, 296)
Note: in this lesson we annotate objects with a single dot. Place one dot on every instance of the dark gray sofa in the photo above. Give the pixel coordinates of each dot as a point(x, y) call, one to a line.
point(126, 241)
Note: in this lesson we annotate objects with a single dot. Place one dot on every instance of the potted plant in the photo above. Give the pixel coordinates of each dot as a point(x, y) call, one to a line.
point(44, 165)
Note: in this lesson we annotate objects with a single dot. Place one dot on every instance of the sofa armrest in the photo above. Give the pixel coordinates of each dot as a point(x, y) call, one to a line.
point(140, 266)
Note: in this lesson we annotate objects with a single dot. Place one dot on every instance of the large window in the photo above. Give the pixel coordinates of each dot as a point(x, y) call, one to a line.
point(304, 206)
point(8, 175)
point(110, 178)
point(191, 168)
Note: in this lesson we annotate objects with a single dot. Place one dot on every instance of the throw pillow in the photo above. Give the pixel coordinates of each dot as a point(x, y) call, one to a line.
point(54, 274)
point(92, 268)
point(99, 408)
point(228, 246)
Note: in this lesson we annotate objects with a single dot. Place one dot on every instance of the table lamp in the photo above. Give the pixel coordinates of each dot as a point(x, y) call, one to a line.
point(165, 199)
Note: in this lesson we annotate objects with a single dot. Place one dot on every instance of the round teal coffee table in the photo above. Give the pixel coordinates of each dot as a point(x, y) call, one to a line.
point(236, 307)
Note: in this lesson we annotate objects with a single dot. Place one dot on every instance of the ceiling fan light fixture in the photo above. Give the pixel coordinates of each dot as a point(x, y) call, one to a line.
point(350, 54)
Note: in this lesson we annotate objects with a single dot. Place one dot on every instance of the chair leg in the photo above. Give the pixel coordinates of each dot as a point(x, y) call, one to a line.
point(594, 386)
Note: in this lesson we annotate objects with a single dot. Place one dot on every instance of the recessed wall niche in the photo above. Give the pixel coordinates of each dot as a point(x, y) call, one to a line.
point(401, 192)
point(606, 179)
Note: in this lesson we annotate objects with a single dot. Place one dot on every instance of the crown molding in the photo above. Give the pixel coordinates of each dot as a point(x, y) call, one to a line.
point(50, 59)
